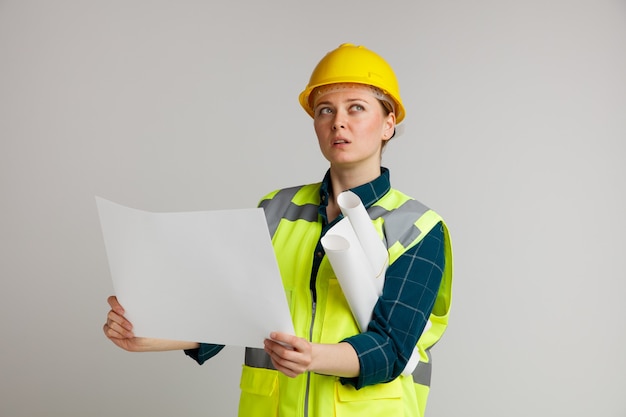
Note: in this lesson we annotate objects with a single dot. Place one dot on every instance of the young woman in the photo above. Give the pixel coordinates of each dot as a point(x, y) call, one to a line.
point(329, 367)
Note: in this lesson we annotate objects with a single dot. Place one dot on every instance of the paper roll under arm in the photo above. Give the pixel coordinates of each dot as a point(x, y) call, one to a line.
point(373, 246)
point(354, 276)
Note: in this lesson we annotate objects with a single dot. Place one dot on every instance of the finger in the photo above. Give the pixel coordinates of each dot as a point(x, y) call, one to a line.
point(286, 367)
point(279, 349)
point(115, 305)
point(291, 343)
point(114, 317)
point(285, 339)
point(298, 344)
point(119, 326)
point(286, 371)
point(285, 359)
point(115, 331)
point(110, 333)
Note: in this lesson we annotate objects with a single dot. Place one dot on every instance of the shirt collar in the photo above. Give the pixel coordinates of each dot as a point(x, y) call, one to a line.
point(369, 193)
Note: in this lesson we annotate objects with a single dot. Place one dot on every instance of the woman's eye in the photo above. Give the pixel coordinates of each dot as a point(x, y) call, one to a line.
point(357, 107)
point(324, 110)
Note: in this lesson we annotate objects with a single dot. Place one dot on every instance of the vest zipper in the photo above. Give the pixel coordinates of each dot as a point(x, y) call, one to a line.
point(308, 375)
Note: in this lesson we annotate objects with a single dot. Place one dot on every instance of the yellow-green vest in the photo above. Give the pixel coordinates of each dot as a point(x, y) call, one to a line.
point(292, 216)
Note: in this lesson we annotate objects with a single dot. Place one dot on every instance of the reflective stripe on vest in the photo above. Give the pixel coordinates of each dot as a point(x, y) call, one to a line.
point(258, 358)
point(423, 371)
point(395, 225)
point(282, 207)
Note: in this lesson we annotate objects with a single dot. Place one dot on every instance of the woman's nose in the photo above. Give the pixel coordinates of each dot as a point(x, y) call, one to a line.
point(338, 124)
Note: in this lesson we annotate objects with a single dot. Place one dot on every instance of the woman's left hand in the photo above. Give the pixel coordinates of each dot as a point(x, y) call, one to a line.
point(294, 355)
point(290, 354)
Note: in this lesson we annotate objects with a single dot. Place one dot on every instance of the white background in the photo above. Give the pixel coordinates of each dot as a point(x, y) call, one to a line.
point(515, 133)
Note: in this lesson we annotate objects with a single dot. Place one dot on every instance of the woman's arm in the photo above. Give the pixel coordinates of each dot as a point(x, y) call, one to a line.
point(293, 355)
point(401, 313)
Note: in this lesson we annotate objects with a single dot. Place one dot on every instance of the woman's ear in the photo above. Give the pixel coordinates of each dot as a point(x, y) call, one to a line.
point(390, 126)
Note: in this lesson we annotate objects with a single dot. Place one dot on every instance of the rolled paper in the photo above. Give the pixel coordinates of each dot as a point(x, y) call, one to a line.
point(354, 276)
point(376, 251)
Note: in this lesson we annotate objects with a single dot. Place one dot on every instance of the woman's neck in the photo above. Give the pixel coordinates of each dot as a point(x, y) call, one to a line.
point(345, 179)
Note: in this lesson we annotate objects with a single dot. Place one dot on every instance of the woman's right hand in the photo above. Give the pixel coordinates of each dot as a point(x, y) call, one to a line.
point(120, 331)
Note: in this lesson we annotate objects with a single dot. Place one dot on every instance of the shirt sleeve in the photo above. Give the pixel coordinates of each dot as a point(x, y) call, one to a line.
point(401, 313)
point(204, 352)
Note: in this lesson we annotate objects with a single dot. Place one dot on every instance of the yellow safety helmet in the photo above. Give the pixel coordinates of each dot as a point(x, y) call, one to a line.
point(354, 64)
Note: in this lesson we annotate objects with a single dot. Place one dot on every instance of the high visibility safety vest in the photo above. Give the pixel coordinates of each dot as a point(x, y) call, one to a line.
point(292, 216)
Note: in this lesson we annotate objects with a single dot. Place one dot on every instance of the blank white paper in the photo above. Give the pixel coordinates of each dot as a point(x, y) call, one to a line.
point(202, 276)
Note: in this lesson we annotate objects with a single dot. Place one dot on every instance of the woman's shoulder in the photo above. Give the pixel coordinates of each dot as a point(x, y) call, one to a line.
point(305, 193)
point(400, 207)
point(397, 198)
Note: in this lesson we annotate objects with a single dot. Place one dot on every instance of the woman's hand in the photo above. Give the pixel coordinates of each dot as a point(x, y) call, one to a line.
point(294, 355)
point(290, 354)
point(120, 331)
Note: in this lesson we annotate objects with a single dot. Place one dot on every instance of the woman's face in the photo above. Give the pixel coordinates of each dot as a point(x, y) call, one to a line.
point(351, 125)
